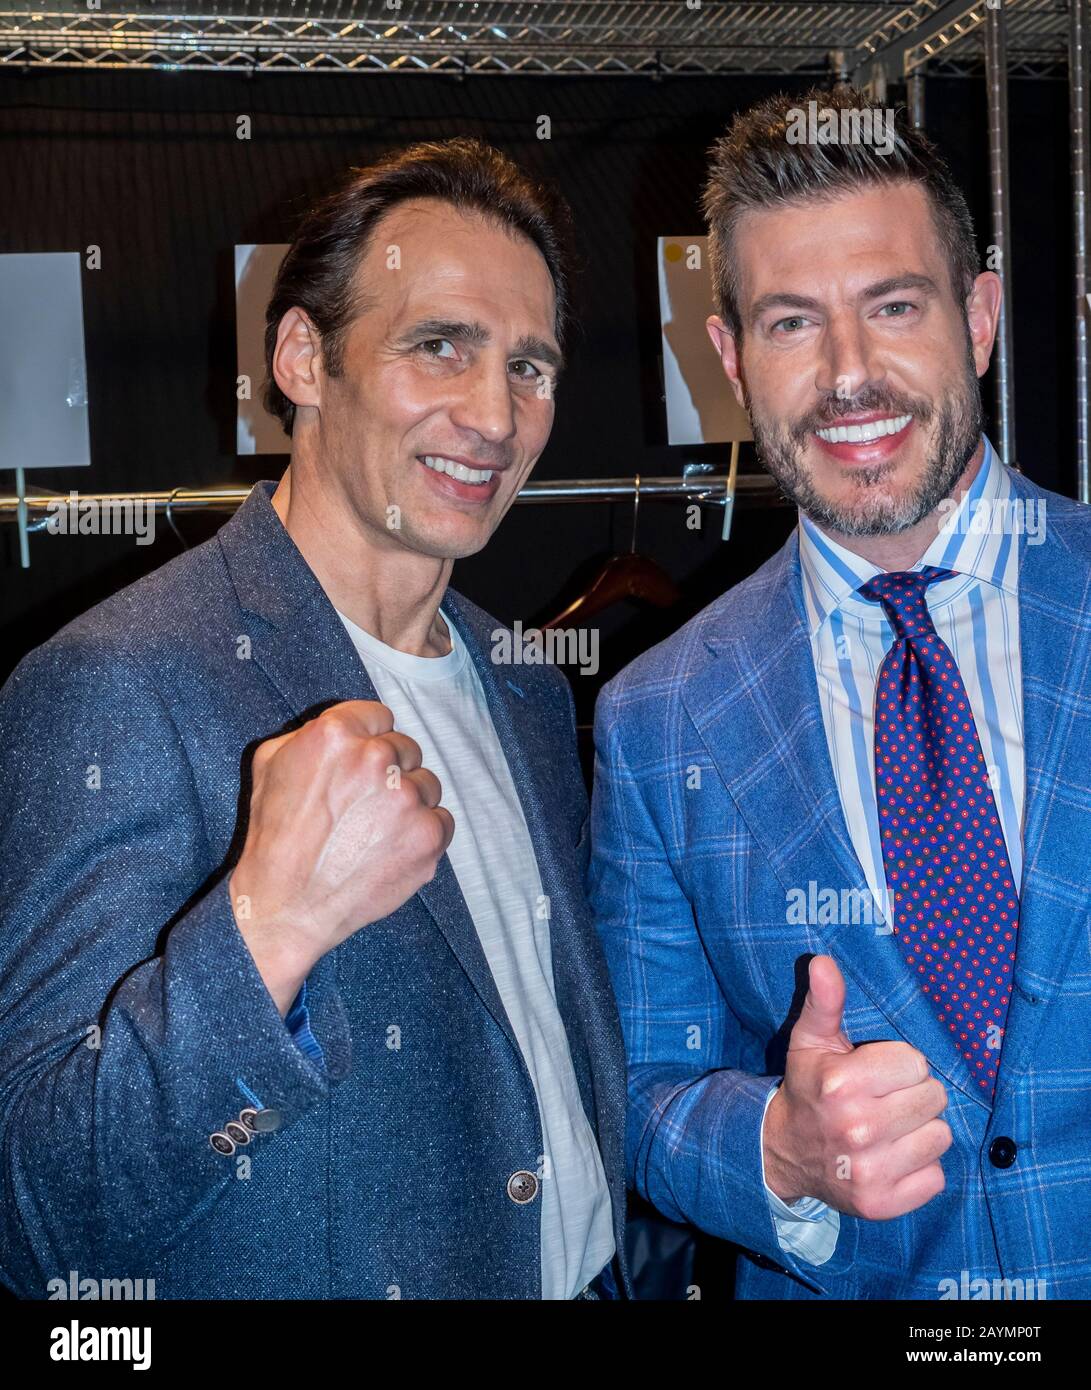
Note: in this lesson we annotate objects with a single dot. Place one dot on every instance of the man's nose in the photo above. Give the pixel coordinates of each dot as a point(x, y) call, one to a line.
point(484, 402)
point(848, 359)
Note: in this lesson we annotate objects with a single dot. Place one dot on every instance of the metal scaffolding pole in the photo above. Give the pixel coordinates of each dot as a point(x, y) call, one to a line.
point(914, 86)
point(996, 84)
point(1079, 78)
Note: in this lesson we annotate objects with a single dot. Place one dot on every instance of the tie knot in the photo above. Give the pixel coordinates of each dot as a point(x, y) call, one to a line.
point(902, 594)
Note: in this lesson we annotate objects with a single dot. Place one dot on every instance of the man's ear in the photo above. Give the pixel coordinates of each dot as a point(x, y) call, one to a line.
point(983, 316)
point(297, 360)
point(723, 341)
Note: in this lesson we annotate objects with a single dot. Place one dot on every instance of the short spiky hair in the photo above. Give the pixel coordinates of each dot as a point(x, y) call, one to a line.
point(318, 270)
point(755, 165)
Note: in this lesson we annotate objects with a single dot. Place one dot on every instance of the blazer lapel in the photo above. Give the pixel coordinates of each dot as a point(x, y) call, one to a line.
point(1055, 638)
point(583, 991)
point(756, 708)
point(305, 650)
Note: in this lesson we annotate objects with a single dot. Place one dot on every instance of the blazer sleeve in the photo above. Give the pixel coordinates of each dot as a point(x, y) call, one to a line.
point(693, 1135)
point(133, 1020)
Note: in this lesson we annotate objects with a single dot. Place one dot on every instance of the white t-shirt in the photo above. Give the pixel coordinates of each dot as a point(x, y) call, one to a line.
point(439, 702)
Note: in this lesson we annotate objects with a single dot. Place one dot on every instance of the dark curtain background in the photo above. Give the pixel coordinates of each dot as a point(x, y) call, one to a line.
point(147, 166)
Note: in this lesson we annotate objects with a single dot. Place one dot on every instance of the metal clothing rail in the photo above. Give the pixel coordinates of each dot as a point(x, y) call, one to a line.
point(708, 488)
point(34, 511)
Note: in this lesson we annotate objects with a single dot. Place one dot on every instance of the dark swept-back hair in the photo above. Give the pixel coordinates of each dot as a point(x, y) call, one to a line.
point(755, 166)
point(317, 273)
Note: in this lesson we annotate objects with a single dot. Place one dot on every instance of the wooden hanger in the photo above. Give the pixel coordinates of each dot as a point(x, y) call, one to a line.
point(631, 576)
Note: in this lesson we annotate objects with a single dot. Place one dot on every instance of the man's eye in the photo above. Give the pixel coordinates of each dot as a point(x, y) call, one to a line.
point(531, 373)
point(794, 319)
point(430, 343)
point(897, 304)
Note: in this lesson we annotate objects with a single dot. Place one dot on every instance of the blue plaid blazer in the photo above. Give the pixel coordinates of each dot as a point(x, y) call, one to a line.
point(714, 798)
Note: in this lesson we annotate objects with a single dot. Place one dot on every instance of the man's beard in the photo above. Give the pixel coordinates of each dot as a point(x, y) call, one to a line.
point(959, 422)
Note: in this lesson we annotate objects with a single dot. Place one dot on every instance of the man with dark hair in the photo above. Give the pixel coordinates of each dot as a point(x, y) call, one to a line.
point(841, 820)
point(301, 996)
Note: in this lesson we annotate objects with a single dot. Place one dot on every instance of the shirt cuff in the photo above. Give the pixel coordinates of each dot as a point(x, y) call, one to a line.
point(298, 1022)
point(808, 1229)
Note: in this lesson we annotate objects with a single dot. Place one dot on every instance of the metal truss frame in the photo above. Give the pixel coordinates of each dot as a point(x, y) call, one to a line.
point(553, 37)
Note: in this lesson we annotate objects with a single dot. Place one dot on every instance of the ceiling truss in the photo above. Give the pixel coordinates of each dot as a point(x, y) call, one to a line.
point(655, 38)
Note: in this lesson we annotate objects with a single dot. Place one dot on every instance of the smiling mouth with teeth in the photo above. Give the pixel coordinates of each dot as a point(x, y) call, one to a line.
point(864, 434)
point(438, 464)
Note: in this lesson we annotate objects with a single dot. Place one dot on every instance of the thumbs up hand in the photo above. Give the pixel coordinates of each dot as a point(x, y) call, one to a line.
point(857, 1127)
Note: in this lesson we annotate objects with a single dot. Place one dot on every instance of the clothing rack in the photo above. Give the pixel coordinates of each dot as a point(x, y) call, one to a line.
point(710, 488)
point(698, 484)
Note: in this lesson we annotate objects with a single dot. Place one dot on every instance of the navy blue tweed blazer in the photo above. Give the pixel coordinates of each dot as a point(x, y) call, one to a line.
point(133, 1022)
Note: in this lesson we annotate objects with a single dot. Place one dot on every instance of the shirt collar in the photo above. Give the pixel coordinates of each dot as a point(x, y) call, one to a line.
point(984, 552)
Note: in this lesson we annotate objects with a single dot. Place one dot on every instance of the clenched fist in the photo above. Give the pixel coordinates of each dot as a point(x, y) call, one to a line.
point(345, 826)
point(857, 1127)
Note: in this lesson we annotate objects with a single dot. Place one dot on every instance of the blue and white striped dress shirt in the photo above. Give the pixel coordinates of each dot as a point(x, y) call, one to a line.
point(977, 615)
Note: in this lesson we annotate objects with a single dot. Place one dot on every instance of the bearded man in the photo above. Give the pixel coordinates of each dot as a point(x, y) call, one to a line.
point(842, 819)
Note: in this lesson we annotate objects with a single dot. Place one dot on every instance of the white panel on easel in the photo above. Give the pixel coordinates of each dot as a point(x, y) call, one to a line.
point(43, 367)
point(256, 266)
point(701, 406)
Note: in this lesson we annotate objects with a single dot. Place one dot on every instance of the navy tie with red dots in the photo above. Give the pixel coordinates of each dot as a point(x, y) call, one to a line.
point(955, 908)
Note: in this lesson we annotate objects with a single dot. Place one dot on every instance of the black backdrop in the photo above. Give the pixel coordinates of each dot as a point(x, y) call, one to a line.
point(148, 167)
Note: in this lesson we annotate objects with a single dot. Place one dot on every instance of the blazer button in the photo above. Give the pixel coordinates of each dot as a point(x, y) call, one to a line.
point(266, 1121)
point(239, 1133)
point(1002, 1152)
point(522, 1187)
point(222, 1143)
